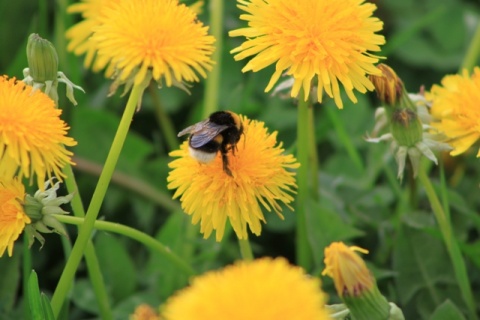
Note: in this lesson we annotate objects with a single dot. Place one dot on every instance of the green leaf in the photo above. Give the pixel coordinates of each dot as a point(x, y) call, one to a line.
point(84, 297)
point(166, 278)
point(425, 276)
point(47, 308)
point(116, 264)
point(326, 226)
point(447, 311)
point(10, 282)
point(34, 298)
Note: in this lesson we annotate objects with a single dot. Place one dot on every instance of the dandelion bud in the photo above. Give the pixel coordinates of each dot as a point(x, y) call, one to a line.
point(409, 122)
point(42, 59)
point(388, 85)
point(354, 283)
point(406, 127)
point(144, 312)
point(42, 72)
point(41, 208)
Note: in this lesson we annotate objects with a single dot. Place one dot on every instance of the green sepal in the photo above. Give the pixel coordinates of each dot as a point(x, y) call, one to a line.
point(369, 305)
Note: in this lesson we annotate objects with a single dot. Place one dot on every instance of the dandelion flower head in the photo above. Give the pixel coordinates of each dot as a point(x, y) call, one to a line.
point(141, 39)
point(330, 40)
point(12, 216)
point(456, 110)
point(267, 289)
point(80, 33)
point(32, 135)
point(260, 175)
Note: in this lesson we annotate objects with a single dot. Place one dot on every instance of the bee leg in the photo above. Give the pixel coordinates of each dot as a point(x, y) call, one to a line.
point(225, 164)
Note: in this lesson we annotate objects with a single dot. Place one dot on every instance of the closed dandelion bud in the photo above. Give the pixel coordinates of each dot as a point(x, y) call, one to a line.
point(406, 127)
point(409, 122)
point(42, 59)
point(42, 72)
point(354, 283)
point(33, 208)
point(41, 209)
point(144, 312)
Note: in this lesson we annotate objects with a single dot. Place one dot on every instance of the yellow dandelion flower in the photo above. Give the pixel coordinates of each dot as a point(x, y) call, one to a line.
point(329, 39)
point(259, 176)
point(456, 109)
point(32, 135)
point(348, 270)
point(79, 34)
point(140, 40)
point(12, 216)
point(144, 312)
point(267, 289)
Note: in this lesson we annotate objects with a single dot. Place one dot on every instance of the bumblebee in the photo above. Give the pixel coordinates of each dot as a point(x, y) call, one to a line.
point(221, 131)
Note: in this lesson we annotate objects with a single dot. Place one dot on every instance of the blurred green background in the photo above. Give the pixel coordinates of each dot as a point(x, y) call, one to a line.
point(361, 201)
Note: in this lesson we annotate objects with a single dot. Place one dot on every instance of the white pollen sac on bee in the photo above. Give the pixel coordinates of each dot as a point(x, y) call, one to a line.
point(202, 156)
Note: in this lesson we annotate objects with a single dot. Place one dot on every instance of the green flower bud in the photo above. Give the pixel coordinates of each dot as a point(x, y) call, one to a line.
point(354, 283)
point(408, 119)
point(33, 208)
point(406, 127)
point(41, 209)
point(42, 59)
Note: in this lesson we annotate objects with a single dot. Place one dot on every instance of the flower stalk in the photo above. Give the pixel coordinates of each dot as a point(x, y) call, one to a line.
point(212, 83)
point(452, 246)
point(95, 204)
point(245, 249)
point(303, 250)
point(93, 266)
point(471, 57)
point(134, 234)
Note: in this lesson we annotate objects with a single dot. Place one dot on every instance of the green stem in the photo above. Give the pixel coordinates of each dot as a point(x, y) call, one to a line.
point(85, 231)
point(345, 138)
point(163, 119)
point(26, 270)
point(471, 57)
point(302, 246)
point(42, 15)
point(61, 19)
point(245, 249)
point(134, 234)
point(93, 266)
point(451, 244)
point(210, 103)
point(313, 156)
point(444, 189)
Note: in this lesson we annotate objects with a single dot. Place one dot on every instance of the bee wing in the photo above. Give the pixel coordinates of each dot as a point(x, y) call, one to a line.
point(206, 134)
point(194, 128)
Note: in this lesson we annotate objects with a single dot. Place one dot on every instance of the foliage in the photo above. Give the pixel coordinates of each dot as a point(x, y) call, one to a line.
point(360, 200)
